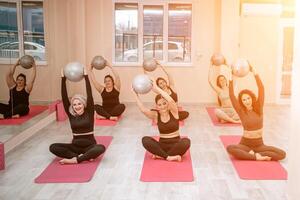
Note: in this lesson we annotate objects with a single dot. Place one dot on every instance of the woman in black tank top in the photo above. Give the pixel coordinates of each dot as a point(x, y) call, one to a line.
point(19, 90)
point(170, 89)
point(111, 107)
point(170, 146)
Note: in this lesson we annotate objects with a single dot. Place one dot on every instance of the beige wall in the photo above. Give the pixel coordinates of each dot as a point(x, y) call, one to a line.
point(79, 30)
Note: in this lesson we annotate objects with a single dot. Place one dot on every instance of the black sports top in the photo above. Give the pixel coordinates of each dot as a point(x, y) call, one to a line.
point(18, 97)
point(110, 99)
point(83, 123)
point(174, 95)
point(167, 127)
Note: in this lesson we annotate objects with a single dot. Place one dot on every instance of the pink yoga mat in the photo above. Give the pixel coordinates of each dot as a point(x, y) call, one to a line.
point(214, 119)
point(157, 170)
point(77, 173)
point(255, 170)
point(34, 110)
point(106, 122)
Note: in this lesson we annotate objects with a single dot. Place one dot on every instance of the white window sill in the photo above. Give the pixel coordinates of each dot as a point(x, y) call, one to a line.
point(136, 64)
point(38, 63)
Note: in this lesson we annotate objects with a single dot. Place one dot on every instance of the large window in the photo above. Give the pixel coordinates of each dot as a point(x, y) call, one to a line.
point(21, 31)
point(161, 31)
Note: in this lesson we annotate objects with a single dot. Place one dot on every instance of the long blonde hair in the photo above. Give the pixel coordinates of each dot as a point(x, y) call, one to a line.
point(81, 98)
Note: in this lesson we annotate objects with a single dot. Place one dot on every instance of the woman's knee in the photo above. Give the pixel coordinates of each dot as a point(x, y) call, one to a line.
point(99, 149)
point(186, 142)
point(53, 148)
point(146, 141)
point(230, 148)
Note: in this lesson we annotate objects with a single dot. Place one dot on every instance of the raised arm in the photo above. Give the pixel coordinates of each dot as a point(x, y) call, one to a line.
point(147, 112)
point(64, 93)
point(30, 83)
point(170, 78)
point(89, 94)
point(210, 81)
point(260, 86)
point(117, 77)
point(96, 84)
point(233, 99)
point(10, 81)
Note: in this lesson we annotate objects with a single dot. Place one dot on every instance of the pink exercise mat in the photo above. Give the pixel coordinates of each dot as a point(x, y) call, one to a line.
point(158, 170)
point(214, 119)
point(77, 173)
point(255, 170)
point(34, 110)
point(107, 122)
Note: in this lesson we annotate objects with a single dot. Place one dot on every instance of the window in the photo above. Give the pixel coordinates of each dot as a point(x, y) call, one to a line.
point(27, 19)
point(161, 31)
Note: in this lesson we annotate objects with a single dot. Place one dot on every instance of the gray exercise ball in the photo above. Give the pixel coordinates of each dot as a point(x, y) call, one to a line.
point(98, 62)
point(26, 61)
point(218, 59)
point(149, 64)
point(142, 84)
point(74, 71)
point(240, 67)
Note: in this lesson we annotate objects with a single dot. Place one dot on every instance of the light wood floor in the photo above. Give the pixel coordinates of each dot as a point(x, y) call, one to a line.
point(117, 177)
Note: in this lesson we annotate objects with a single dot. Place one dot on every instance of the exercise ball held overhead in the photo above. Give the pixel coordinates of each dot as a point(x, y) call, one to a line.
point(240, 67)
point(218, 59)
point(74, 71)
point(142, 84)
point(149, 64)
point(99, 62)
point(26, 61)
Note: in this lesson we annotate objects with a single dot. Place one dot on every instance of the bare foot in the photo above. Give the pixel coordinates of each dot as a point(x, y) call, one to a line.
point(262, 158)
point(68, 161)
point(222, 121)
point(113, 118)
point(1, 116)
point(156, 157)
point(16, 116)
point(251, 152)
point(91, 160)
point(174, 158)
point(236, 121)
point(100, 117)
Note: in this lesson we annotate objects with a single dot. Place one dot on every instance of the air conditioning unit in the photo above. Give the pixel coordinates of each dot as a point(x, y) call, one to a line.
point(261, 9)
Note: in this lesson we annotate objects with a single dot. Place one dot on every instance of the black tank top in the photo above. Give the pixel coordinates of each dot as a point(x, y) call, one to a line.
point(18, 97)
point(174, 96)
point(110, 99)
point(167, 127)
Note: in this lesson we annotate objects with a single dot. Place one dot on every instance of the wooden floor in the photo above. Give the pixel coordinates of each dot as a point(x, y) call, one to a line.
point(117, 177)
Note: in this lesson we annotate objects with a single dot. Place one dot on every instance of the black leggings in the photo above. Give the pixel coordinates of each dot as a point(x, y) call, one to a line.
point(108, 112)
point(183, 115)
point(8, 112)
point(85, 145)
point(166, 146)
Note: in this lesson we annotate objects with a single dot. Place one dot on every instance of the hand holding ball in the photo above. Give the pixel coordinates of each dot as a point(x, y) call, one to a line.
point(240, 67)
point(74, 71)
point(218, 59)
point(99, 62)
point(142, 84)
point(26, 61)
point(149, 64)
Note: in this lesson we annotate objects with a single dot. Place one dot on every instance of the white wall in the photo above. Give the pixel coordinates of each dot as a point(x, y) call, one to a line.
point(79, 30)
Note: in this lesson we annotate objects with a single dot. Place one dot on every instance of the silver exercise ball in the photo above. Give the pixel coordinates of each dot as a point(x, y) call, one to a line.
point(218, 59)
point(240, 67)
point(99, 62)
point(149, 64)
point(26, 61)
point(74, 71)
point(142, 84)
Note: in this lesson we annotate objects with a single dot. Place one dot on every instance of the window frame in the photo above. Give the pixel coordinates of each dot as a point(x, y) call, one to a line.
point(21, 31)
point(141, 4)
